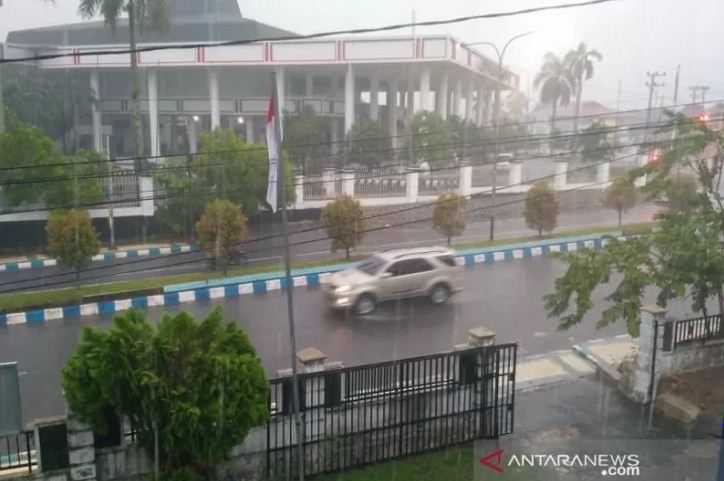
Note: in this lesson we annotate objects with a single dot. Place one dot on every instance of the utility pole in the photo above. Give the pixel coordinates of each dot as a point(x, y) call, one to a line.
point(652, 84)
point(2, 102)
point(698, 88)
point(676, 85)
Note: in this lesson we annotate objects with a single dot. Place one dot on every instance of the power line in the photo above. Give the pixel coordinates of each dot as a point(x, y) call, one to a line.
point(356, 31)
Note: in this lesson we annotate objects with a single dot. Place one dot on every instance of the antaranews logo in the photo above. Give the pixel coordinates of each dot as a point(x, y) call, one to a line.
point(609, 464)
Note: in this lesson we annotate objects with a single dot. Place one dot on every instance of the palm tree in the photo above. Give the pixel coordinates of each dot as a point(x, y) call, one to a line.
point(580, 63)
point(141, 13)
point(556, 84)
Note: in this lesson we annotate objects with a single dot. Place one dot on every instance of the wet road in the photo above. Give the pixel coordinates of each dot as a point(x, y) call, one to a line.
point(505, 297)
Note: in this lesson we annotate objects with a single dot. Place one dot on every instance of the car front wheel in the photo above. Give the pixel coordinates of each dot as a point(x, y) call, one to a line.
point(366, 304)
point(439, 294)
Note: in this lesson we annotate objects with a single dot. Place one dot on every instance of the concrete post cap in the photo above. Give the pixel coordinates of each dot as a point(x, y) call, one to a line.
point(481, 333)
point(311, 355)
point(653, 309)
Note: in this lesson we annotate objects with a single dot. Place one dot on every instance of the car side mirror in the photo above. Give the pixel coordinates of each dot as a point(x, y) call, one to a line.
point(386, 275)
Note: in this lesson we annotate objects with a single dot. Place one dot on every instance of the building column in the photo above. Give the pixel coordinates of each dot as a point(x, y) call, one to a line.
point(374, 98)
point(96, 112)
point(309, 85)
point(469, 101)
point(561, 177)
point(486, 108)
point(425, 97)
point(249, 128)
point(281, 96)
point(334, 135)
point(214, 99)
point(191, 129)
point(153, 112)
point(457, 110)
point(349, 99)
point(480, 106)
point(392, 90)
point(443, 96)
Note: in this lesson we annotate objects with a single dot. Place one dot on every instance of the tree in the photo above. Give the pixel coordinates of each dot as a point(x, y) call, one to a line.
point(556, 84)
point(430, 139)
point(305, 140)
point(221, 228)
point(462, 136)
point(448, 215)
point(369, 144)
point(541, 208)
point(343, 219)
point(153, 14)
point(682, 193)
point(72, 239)
point(580, 64)
point(621, 195)
point(594, 143)
point(198, 386)
point(681, 258)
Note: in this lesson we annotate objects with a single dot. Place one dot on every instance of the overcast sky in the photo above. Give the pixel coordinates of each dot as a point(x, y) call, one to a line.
point(633, 35)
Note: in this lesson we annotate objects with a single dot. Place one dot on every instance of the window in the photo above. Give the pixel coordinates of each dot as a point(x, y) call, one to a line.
point(371, 265)
point(409, 266)
point(447, 260)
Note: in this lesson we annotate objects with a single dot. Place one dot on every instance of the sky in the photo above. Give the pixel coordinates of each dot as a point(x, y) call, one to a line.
point(634, 36)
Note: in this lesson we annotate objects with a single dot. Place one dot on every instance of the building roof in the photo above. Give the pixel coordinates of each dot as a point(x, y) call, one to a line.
point(588, 108)
point(190, 21)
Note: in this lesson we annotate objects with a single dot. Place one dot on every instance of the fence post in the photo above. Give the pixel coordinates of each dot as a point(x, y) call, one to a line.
point(515, 174)
point(328, 182)
point(561, 177)
point(299, 192)
point(465, 188)
point(646, 361)
point(411, 192)
point(348, 183)
point(81, 450)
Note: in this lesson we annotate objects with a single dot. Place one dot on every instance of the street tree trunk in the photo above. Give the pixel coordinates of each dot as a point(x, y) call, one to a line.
point(620, 213)
point(347, 252)
point(449, 240)
point(540, 232)
point(720, 298)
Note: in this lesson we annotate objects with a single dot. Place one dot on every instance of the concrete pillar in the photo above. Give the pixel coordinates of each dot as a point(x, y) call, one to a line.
point(560, 179)
point(309, 85)
point(281, 95)
point(641, 181)
point(392, 111)
point(481, 336)
point(486, 108)
point(348, 183)
point(81, 451)
point(479, 120)
point(191, 130)
point(642, 381)
point(469, 101)
point(443, 95)
point(426, 104)
point(515, 174)
point(299, 192)
point(603, 172)
point(329, 182)
point(374, 98)
point(466, 180)
point(412, 187)
point(334, 135)
point(153, 112)
point(96, 114)
point(311, 359)
point(458, 95)
point(349, 99)
point(214, 99)
point(249, 128)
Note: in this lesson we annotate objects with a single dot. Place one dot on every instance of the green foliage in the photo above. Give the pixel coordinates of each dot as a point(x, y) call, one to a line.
point(71, 238)
point(305, 140)
point(555, 82)
point(24, 145)
point(153, 14)
point(466, 139)
point(186, 197)
point(594, 144)
point(369, 144)
point(221, 228)
point(620, 196)
point(430, 139)
point(448, 215)
point(541, 208)
point(682, 257)
point(682, 193)
point(201, 384)
point(343, 220)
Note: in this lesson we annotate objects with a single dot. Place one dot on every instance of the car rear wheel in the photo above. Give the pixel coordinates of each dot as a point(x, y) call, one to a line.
point(439, 294)
point(366, 304)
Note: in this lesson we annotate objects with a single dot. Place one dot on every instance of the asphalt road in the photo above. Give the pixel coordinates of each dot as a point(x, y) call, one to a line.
point(505, 297)
point(304, 246)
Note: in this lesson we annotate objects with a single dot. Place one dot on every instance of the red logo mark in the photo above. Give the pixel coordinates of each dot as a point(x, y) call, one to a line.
point(493, 460)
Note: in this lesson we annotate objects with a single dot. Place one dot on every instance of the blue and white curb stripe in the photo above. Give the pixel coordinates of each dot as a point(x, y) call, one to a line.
point(227, 288)
point(105, 257)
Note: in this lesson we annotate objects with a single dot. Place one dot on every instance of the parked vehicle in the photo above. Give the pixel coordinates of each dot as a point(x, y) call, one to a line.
point(395, 274)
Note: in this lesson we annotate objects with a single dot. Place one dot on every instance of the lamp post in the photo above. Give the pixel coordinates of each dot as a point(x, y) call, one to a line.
point(496, 115)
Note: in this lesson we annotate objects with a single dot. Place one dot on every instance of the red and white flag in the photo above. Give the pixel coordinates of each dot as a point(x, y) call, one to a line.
point(273, 145)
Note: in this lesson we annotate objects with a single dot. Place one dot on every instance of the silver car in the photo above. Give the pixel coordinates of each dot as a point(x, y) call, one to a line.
point(395, 274)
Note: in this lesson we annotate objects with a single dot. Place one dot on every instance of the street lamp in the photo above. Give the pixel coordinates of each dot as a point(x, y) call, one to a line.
point(496, 114)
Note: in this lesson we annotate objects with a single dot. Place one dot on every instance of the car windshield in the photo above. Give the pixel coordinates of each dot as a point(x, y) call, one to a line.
point(371, 265)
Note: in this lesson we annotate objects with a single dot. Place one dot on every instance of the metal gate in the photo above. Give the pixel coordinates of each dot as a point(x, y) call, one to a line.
point(377, 412)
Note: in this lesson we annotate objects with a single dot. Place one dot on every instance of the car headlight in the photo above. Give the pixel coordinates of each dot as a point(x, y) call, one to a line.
point(342, 289)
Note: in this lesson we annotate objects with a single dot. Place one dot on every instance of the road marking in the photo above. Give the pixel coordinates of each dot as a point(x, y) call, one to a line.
point(537, 369)
point(540, 334)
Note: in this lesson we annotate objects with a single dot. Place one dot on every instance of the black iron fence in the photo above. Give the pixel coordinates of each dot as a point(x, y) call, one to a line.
point(367, 414)
point(17, 452)
point(687, 331)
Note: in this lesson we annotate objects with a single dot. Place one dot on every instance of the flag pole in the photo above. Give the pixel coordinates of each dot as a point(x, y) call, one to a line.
point(281, 189)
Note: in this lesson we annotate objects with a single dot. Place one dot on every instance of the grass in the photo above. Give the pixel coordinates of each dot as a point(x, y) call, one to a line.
point(458, 463)
point(73, 295)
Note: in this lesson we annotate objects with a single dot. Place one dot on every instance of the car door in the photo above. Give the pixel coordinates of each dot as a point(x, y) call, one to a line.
point(407, 278)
